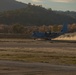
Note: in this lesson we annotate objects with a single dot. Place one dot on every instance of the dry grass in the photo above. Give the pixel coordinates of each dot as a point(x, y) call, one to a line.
point(36, 51)
point(44, 55)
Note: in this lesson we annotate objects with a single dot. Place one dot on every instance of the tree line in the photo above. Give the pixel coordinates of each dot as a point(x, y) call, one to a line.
point(21, 29)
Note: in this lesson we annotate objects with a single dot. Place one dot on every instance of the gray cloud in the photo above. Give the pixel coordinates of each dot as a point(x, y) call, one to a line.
point(36, 0)
point(65, 1)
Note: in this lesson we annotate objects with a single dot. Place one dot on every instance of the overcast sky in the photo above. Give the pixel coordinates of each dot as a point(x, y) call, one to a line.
point(54, 4)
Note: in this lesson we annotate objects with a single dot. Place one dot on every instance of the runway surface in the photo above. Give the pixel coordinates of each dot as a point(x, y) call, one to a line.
point(39, 44)
point(23, 68)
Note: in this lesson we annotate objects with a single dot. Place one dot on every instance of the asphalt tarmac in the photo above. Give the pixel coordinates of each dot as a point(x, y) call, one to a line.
point(23, 68)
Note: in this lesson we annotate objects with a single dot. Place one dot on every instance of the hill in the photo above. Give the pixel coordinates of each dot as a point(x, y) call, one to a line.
point(34, 15)
point(10, 5)
point(70, 13)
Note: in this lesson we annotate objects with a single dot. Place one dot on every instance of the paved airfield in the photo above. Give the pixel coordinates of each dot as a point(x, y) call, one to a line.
point(20, 68)
point(36, 43)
